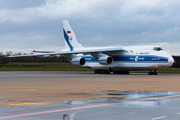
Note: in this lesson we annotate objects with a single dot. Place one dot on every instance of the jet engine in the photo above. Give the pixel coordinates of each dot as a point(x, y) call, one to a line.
point(106, 60)
point(79, 61)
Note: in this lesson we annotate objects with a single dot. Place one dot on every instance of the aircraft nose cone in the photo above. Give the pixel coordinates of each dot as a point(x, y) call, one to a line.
point(170, 61)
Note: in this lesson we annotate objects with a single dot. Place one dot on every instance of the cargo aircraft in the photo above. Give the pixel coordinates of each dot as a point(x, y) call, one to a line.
point(104, 60)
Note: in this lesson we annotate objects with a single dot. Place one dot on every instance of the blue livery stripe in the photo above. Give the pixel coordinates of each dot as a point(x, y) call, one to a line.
point(132, 59)
point(67, 40)
point(139, 58)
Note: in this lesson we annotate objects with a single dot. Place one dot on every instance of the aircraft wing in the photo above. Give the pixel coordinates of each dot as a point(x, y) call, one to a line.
point(107, 51)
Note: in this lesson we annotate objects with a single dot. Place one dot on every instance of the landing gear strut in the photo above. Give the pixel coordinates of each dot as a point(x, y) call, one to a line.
point(152, 73)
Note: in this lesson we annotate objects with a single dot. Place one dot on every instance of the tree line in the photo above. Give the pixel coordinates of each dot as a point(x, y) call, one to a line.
point(55, 58)
point(176, 61)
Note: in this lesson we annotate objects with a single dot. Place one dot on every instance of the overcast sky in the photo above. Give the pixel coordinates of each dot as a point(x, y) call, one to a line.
point(27, 25)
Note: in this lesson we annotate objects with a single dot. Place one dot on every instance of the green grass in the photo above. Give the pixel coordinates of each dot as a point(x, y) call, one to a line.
point(32, 66)
point(170, 70)
point(165, 71)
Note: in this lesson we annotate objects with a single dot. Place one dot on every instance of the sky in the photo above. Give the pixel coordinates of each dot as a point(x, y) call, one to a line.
point(27, 25)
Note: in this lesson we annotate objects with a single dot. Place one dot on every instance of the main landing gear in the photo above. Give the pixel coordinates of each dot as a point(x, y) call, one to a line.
point(122, 72)
point(102, 71)
point(152, 73)
point(107, 71)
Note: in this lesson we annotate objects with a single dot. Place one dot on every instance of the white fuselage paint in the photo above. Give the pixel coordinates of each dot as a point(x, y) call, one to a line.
point(134, 58)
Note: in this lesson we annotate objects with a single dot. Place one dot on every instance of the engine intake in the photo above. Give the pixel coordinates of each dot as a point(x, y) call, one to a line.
point(105, 60)
point(79, 61)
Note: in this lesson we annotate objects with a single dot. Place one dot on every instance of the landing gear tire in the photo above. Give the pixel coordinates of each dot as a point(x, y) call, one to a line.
point(95, 71)
point(122, 73)
point(108, 71)
point(152, 73)
point(149, 73)
point(102, 71)
point(98, 71)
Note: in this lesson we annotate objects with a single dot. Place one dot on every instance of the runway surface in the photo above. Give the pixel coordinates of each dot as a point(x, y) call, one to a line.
point(138, 106)
point(86, 96)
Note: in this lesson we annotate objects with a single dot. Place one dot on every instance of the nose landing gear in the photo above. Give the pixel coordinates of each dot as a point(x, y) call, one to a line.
point(152, 73)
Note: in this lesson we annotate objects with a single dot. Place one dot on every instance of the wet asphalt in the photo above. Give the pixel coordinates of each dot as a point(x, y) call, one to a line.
point(135, 105)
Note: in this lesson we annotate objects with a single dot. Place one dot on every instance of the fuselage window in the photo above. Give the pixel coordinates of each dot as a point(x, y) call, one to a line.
point(157, 48)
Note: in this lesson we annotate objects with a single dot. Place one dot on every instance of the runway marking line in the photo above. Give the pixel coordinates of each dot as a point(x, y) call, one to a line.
point(85, 107)
point(17, 104)
point(159, 118)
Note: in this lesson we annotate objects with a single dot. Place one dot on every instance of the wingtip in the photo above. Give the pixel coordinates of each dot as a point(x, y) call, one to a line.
point(34, 51)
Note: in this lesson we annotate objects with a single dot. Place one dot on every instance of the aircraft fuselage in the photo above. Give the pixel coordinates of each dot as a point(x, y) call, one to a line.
point(134, 59)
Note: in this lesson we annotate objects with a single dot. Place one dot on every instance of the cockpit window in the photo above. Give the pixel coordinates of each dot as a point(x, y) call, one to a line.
point(157, 48)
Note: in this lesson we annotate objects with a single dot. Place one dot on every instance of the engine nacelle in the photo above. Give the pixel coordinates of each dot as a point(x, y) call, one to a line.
point(106, 60)
point(79, 61)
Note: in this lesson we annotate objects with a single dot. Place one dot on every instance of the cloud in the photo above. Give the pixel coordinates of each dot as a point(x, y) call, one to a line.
point(33, 24)
point(20, 4)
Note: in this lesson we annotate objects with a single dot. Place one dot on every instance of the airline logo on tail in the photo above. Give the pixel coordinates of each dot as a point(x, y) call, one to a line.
point(70, 38)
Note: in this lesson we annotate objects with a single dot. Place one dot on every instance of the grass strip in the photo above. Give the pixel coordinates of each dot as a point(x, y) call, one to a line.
point(64, 66)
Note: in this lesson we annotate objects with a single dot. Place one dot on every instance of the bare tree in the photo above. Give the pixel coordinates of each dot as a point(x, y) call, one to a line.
point(9, 53)
point(19, 53)
point(1, 54)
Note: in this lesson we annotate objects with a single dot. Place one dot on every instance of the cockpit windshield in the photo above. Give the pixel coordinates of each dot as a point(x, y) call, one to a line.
point(157, 48)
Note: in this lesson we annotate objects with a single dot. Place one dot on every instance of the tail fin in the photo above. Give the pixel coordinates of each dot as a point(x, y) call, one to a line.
point(70, 39)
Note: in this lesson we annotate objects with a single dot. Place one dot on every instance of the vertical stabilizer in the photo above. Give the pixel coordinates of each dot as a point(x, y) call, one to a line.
point(70, 39)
